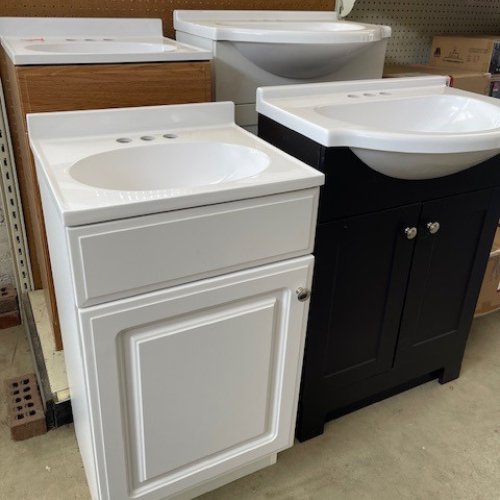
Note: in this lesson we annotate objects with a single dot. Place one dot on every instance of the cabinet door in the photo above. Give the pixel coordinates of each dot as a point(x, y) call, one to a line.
point(196, 381)
point(446, 277)
point(360, 277)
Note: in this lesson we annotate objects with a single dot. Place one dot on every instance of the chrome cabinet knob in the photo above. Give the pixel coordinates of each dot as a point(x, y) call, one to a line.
point(303, 294)
point(433, 227)
point(411, 232)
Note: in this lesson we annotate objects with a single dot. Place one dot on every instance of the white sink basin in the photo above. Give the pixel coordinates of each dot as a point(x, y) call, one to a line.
point(285, 43)
point(104, 47)
point(408, 128)
point(169, 166)
point(102, 165)
point(45, 40)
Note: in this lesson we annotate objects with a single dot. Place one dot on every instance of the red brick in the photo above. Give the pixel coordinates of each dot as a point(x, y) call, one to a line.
point(9, 319)
point(25, 415)
point(8, 299)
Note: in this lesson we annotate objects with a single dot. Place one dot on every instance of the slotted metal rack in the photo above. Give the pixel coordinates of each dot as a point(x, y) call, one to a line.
point(415, 22)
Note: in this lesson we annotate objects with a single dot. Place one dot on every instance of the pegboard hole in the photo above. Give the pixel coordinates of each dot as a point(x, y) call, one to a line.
point(147, 138)
point(124, 140)
point(170, 136)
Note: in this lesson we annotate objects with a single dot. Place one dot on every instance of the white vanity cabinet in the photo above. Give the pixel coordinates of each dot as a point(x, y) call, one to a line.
point(183, 309)
point(196, 381)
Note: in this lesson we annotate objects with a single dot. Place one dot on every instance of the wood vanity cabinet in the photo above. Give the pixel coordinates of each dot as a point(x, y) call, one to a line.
point(398, 269)
point(35, 89)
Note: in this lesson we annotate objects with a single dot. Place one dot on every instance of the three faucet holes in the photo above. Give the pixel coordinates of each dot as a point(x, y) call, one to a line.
point(125, 140)
point(368, 94)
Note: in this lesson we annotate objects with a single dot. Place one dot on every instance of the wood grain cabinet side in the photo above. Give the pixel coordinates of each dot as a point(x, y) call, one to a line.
point(34, 89)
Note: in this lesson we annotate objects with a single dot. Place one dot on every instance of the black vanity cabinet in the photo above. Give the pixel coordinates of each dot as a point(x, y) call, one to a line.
point(398, 269)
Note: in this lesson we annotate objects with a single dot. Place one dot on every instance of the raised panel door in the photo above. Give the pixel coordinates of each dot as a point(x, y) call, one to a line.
point(196, 381)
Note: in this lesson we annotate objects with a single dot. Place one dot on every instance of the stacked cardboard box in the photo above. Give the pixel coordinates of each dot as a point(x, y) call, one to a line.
point(473, 81)
point(473, 53)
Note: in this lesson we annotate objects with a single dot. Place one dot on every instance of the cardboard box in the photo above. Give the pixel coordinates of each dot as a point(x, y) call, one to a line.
point(473, 81)
point(489, 296)
point(473, 53)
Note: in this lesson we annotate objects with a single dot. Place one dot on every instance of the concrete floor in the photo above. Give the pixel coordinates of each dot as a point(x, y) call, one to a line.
point(433, 442)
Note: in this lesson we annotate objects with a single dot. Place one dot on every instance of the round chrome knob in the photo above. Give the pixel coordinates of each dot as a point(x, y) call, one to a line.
point(411, 232)
point(303, 294)
point(433, 227)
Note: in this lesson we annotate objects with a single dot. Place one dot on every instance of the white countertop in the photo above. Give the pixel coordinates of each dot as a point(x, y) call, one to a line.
point(58, 140)
point(45, 41)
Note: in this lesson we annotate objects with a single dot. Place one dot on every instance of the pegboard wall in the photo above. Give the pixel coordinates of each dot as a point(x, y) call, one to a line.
point(147, 8)
point(415, 22)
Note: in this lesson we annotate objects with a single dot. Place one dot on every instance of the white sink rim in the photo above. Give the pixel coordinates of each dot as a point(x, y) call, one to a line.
point(101, 47)
point(297, 108)
point(243, 26)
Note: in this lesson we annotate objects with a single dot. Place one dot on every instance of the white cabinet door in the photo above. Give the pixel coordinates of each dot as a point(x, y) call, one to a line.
point(195, 381)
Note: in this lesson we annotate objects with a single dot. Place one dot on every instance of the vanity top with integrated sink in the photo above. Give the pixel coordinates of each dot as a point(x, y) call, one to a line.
point(407, 128)
point(112, 164)
point(277, 26)
point(90, 40)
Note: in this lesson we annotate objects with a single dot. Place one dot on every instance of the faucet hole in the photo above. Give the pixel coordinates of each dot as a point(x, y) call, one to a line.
point(147, 138)
point(124, 140)
point(353, 95)
point(369, 95)
point(170, 136)
point(71, 39)
point(89, 39)
point(385, 93)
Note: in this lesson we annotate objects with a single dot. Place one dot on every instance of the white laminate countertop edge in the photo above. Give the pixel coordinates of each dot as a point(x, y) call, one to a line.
point(55, 152)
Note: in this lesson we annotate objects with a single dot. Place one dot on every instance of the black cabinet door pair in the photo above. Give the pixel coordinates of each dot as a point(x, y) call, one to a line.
point(382, 299)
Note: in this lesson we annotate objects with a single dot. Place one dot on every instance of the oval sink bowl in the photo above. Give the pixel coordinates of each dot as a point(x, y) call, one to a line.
point(299, 60)
point(169, 166)
point(98, 47)
point(413, 128)
point(433, 114)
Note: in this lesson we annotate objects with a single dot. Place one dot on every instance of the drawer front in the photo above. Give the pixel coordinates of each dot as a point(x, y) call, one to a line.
point(123, 258)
